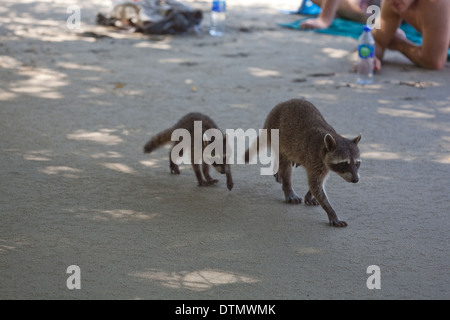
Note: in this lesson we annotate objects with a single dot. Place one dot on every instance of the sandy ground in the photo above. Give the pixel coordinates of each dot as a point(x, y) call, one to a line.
point(76, 189)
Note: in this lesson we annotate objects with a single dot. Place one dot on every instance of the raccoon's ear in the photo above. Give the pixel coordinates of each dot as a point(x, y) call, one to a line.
point(330, 144)
point(357, 139)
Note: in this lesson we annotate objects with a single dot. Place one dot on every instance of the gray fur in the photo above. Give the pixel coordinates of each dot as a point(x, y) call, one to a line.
point(306, 139)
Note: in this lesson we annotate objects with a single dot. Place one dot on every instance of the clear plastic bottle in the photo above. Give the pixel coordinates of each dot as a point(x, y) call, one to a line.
point(218, 17)
point(366, 53)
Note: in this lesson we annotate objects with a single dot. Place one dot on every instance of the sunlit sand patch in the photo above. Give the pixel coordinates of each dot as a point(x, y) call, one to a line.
point(123, 214)
point(308, 250)
point(335, 53)
point(405, 113)
point(108, 154)
point(380, 155)
point(119, 167)
point(102, 136)
point(199, 280)
point(67, 172)
point(41, 155)
point(264, 73)
point(40, 82)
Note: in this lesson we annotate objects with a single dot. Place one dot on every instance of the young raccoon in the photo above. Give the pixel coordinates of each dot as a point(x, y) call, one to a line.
point(306, 139)
point(201, 170)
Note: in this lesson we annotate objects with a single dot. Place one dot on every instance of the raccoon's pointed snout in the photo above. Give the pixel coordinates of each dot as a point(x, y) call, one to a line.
point(355, 179)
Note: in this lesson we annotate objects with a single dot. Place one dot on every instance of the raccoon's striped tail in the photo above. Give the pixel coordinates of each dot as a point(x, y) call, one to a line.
point(159, 140)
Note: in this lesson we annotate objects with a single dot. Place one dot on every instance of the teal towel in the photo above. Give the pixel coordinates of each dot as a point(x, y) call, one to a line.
point(352, 29)
point(307, 8)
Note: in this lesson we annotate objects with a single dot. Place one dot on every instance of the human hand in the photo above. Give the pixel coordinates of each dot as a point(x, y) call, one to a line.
point(376, 64)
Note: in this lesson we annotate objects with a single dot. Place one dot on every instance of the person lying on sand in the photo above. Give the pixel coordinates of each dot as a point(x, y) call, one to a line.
point(430, 17)
point(347, 9)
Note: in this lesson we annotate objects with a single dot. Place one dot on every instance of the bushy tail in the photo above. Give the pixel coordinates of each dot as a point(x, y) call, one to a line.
point(159, 140)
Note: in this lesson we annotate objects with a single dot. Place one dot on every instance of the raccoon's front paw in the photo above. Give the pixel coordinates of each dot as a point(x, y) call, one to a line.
point(310, 200)
point(210, 182)
point(174, 169)
point(293, 198)
point(337, 223)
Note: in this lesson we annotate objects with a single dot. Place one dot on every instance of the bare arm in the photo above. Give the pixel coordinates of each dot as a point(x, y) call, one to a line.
point(435, 33)
point(389, 22)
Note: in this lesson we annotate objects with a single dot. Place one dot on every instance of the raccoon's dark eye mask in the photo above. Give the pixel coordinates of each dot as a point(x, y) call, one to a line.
point(340, 167)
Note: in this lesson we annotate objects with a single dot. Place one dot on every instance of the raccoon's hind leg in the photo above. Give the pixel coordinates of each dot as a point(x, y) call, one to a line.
point(277, 165)
point(199, 175)
point(208, 178)
point(284, 174)
point(277, 177)
point(173, 167)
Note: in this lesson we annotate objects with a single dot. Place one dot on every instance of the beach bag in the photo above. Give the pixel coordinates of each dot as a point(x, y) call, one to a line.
point(152, 17)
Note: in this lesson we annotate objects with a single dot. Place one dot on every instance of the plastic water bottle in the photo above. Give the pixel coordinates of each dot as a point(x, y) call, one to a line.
point(218, 17)
point(366, 53)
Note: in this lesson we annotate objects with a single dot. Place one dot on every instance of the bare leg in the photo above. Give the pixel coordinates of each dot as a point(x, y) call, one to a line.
point(347, 9)
point(351, 10)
